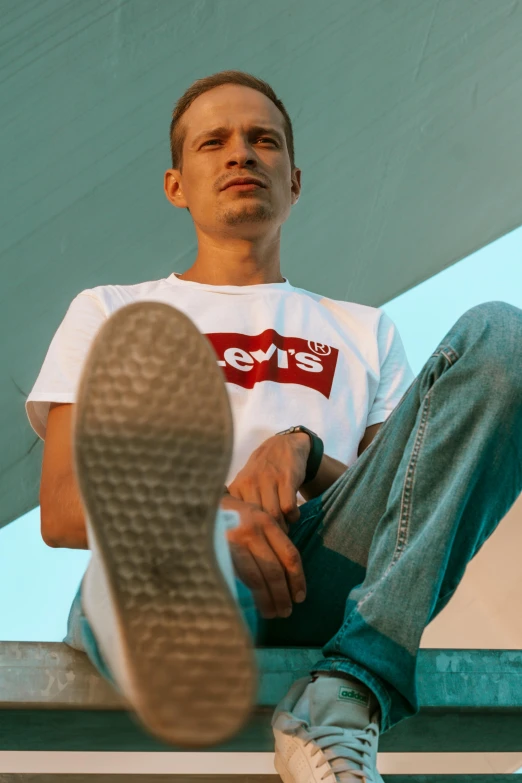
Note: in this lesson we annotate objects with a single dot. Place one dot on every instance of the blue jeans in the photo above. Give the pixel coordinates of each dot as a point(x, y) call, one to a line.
point(386, 546)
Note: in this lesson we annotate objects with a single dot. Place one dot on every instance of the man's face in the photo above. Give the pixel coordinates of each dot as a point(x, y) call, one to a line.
point(210, 160)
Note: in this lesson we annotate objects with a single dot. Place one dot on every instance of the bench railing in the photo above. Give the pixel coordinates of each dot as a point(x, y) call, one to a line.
point(51, 698)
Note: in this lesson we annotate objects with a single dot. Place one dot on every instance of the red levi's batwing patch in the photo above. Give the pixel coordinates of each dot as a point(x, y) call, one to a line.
point(269, 356)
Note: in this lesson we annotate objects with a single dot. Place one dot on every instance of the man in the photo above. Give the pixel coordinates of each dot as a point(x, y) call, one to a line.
point(342, 544)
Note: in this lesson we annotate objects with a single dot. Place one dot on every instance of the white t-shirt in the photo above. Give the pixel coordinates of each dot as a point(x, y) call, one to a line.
point(289, 356)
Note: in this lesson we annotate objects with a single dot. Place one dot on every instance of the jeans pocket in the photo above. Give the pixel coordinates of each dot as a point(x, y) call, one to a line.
point(309, 511)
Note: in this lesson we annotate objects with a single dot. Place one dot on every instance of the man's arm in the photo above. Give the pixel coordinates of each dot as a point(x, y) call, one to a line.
point(62, 517)
point(330, 469)
point(368, 436)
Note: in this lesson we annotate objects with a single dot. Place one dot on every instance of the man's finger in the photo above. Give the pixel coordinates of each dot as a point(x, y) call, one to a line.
point(248, 494)
point(271, 505)
point(251, 575)
point(289, 557)
point(288, 502)
point(273, 571)
point(268, 582)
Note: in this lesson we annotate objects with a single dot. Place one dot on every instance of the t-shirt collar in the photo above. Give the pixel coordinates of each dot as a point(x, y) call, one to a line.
point(230, 289)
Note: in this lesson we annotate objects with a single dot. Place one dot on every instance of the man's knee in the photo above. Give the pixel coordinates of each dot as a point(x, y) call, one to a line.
point(497, 329)
point(498, 325)
point(497, 313)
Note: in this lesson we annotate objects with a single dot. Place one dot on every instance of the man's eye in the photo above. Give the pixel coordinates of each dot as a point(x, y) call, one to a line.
point(262, 138)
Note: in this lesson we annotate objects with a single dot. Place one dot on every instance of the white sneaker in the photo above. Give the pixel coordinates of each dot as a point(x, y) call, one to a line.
point(327, 731)
point(152, 437)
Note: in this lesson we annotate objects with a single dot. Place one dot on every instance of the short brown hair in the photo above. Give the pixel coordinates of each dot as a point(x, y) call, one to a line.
point(178, 131)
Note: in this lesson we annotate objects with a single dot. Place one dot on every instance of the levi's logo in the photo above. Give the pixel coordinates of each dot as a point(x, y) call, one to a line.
point(249, 359)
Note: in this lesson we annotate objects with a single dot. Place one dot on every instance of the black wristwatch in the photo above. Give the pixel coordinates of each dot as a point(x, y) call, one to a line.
point(316, 452)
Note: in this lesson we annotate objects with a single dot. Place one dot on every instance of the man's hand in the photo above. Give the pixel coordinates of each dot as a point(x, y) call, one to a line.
point(272, 476)
point(264, 559)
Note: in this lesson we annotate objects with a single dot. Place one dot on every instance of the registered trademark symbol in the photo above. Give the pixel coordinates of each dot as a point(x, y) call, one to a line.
point(319, 348)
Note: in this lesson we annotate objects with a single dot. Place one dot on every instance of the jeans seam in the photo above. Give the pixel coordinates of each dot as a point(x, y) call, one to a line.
point(402, 535)
point(406, 504)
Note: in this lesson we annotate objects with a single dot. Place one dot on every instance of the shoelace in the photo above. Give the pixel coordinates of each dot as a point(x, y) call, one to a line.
point(343, 744)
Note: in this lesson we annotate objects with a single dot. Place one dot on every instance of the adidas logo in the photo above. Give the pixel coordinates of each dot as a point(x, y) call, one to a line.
point(350, 694)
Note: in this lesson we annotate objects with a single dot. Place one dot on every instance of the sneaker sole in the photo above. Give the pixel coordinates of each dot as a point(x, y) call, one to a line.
point(282, 770)
point(152, 445)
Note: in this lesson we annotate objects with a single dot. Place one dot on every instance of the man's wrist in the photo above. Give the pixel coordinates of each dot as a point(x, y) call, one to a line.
point(302, 437)
point(315, 450)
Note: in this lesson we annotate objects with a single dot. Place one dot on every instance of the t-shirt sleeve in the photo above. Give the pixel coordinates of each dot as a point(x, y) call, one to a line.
point(396, 374)
point(60, 373)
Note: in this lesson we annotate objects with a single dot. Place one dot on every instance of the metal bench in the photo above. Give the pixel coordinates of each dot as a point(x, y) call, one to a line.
point(51, 698)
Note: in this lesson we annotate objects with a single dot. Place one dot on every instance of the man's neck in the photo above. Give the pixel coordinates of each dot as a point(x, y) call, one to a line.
point(220, 277)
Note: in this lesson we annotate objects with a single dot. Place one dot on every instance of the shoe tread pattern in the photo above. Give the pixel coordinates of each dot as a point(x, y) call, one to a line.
point(153, 437)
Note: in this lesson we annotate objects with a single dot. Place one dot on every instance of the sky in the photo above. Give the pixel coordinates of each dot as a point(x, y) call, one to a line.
point(37, 583)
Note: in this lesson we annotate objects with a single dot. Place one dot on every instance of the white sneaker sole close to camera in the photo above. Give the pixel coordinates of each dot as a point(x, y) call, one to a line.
point(152, 444)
